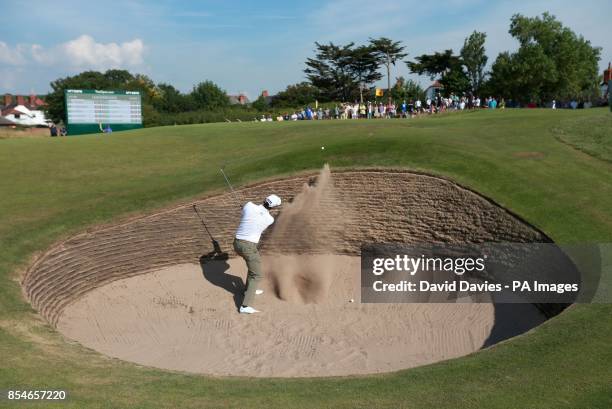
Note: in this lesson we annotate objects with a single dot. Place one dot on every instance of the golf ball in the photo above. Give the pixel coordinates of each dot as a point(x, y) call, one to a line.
point(322, 147)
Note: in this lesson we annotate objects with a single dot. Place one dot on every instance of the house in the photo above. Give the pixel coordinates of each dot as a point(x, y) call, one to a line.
point(6, 122)
point(266, 97)
point(239, 99)
point(24, 111)
point(433, 89)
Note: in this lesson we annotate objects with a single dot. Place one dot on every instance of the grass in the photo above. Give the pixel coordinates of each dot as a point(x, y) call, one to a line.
point(19, 132)
point(590, 135)
point(54, 187)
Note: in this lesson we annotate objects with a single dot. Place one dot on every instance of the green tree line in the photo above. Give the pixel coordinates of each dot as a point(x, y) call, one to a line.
point(162, 104)
point(552, 62)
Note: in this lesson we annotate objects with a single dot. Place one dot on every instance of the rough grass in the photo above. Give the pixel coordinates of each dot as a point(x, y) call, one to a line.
point(54, 187)
point(7, 132)
point(591, 134)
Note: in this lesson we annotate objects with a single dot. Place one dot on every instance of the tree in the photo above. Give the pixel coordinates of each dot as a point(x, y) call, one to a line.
point(341, 72)
point(208, 96)
point(446, 66)
point(389, 52)
point(474, 59)
point(118, 76)
point(364, 65)
point(145, 85)
point(330, 71)
point(171, 100)
point(522, 75)
point(297, 95)
point(552, 62)
point(407, 90)
point(261, 103)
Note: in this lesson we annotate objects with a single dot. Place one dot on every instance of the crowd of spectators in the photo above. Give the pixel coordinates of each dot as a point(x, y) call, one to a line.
point(409, 108)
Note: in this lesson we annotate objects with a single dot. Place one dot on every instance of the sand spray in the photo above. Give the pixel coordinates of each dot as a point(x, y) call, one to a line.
point(309, 225)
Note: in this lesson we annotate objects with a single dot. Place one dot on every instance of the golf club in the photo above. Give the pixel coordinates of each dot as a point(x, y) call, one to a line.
point(230, 186)
point(215, 243)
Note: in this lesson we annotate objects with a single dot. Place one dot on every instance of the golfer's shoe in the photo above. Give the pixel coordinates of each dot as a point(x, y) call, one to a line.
point(258, 292)
point(247, 310)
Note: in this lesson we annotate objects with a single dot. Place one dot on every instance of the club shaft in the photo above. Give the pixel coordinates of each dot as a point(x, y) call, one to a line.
point(230, 186)
point(203, 224)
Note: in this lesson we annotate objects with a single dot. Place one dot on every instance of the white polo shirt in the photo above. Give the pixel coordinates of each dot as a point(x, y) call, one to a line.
point(255, 219)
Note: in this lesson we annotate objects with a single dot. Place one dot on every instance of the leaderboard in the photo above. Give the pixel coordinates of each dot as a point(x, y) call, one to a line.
point(103, 107)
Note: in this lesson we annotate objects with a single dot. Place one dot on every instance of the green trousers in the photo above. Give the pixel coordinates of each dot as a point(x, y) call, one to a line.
point(248, 251)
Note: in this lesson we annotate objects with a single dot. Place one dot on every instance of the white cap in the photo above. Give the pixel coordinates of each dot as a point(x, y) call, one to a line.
point(273, 201)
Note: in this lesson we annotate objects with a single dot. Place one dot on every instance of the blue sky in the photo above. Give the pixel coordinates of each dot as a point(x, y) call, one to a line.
point(247, 46)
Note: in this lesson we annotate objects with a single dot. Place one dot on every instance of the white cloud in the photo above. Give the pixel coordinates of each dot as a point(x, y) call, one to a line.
point(82, 52)
point(86, 52)
point(25, 65)
point(11, 56)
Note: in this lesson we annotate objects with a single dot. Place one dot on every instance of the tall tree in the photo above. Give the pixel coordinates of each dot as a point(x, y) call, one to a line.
point(364, 65)
point(389, 53)
point(297, 95)
point(330, 71)
point(406, 90)
point(551, 62)
point(208, 96)
point(171, 100)
point(444, 65)
point(148, 90)
point(474, 59)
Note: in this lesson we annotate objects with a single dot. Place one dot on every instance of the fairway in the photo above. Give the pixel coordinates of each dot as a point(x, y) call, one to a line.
point(550, 169)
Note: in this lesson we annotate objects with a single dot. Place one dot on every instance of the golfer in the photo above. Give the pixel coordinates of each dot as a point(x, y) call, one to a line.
point(255, 219)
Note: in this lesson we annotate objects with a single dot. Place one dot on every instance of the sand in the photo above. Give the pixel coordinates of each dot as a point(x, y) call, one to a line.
point(135, 291)
point(184, 318)
point(384, 207)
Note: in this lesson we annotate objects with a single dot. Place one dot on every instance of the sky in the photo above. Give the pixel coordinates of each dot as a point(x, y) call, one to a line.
point(247, 46)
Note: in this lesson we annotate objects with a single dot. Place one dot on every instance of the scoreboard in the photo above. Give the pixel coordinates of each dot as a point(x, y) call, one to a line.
point(90, 111)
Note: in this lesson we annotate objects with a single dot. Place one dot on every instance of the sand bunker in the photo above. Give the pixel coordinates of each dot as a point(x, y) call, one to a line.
point(184, 318)
point(143, 290)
